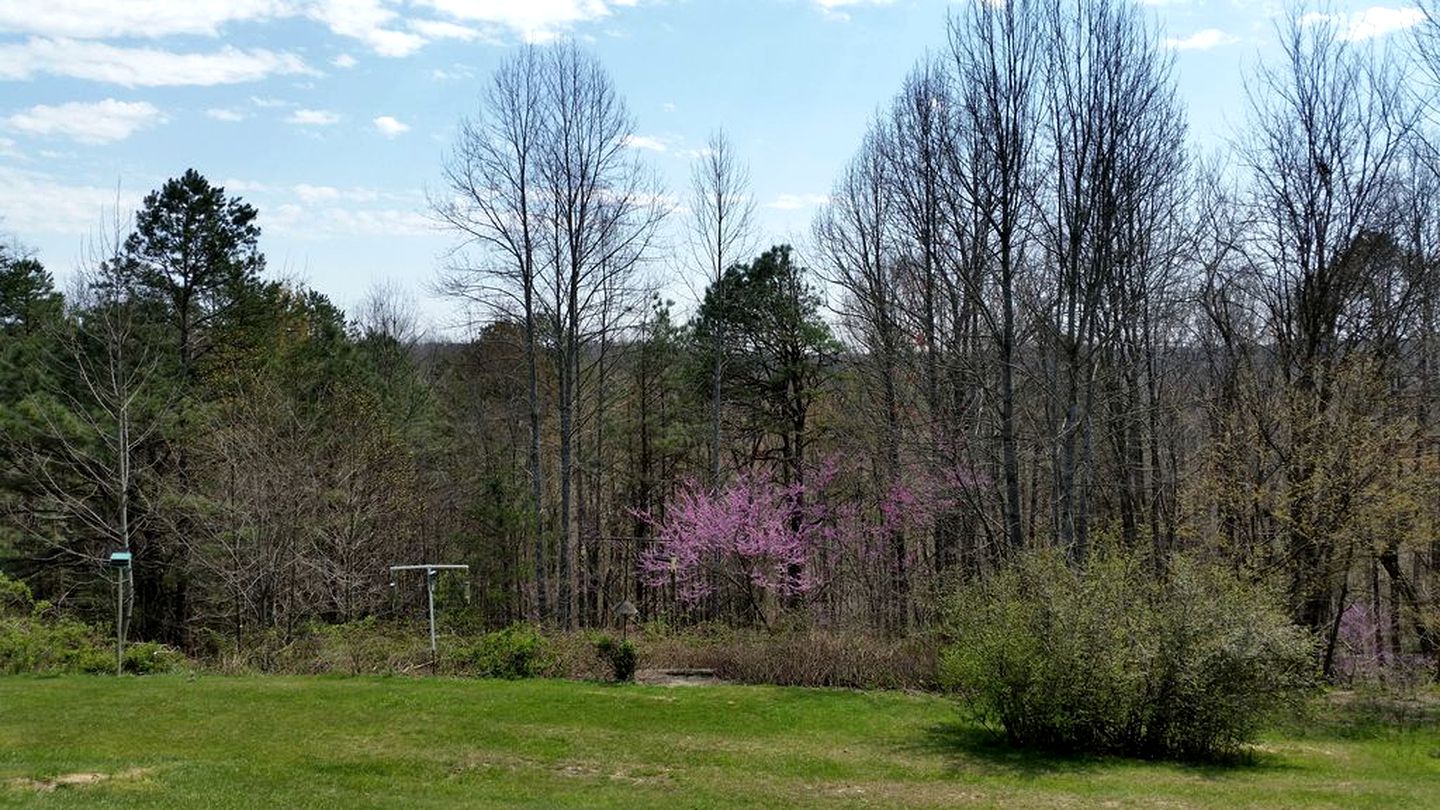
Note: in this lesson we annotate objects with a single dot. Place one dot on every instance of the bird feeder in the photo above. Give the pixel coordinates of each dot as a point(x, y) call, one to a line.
point(120, 561)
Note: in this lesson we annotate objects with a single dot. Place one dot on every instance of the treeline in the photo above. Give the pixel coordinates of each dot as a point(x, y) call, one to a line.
point(1029, 315)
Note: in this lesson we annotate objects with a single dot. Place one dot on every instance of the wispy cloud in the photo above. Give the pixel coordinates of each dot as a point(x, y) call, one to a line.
point(141, 67)
point(795, 202)
point(224, 114)
point(650, 142)
point(94, 19)
point(835, 9)
point(1202, 40)
point(35, 202)
point(101, 122)
point(1375, 21)
point(313, 118)
point(387, 27)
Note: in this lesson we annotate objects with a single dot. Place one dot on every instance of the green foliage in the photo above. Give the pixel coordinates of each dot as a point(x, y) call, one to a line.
point(1113, 658)
point(765, 319)
point(149, 658)
point(619, 655)
point(518, 651)
point(34, 638)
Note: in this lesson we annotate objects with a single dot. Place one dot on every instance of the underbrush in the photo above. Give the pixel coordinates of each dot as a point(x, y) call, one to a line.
point(791, 658)
point(36, 639)
point(854, 660)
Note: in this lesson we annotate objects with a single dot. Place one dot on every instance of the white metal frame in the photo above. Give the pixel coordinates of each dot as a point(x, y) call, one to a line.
point(431, 573)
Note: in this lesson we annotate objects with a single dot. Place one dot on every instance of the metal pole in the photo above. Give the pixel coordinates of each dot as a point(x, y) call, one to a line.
point(119, 621)
point(430, 592)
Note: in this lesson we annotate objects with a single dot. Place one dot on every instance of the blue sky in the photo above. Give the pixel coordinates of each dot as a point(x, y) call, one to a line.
point(332, 116)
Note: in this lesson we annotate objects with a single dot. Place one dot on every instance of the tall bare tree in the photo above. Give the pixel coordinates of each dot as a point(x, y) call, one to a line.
point(495, 200)
point(603, 209)
point(722, 231)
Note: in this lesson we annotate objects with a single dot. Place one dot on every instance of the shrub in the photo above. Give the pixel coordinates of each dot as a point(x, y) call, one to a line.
point(517, 651)
point(149, 658)
point(620, 655)
point(35, 639)
point(1116, 658)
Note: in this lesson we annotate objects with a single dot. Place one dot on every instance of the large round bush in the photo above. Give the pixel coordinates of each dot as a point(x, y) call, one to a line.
point(1121, 655)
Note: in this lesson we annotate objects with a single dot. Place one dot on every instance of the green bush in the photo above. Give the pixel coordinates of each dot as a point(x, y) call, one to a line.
point(517, 651)
point(619, 655)
point(148, 658)
point(35, 639)
point(1116, 657)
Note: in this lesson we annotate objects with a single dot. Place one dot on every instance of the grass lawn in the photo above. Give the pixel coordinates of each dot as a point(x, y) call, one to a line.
point(355, 743)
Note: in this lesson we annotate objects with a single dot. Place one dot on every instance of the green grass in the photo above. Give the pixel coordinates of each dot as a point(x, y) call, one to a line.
point(374, 742)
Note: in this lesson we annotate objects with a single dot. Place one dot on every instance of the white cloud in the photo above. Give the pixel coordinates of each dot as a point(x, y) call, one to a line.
point(344, 61)
point(387, 27)
point(650, 142)
point(1375, 21)
point(794, 202)
point(455, 72)
point(532, 20)
point(307, 222)
point(438, 29)
point(310, 194)
point(140, 67)
point(269, 103)
point(834, 8)
point(92, 19)
point(1202, 40)
point(368, 21)
point(313, 118)
point(223, 114)
point(101, 122)
point(389, 127)
point(34, 202)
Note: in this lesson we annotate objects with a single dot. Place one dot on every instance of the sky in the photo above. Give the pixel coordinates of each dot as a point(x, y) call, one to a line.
point(332, 117)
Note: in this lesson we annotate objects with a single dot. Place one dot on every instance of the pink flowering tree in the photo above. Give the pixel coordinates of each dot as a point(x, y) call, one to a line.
point(766, 545)
point(754, 537)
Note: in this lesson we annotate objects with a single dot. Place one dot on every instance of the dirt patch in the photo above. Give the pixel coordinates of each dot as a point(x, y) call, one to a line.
point(678, 677)
point(631, 774)
point(82, 779)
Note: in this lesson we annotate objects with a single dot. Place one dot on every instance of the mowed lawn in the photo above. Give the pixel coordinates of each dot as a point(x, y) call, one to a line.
point(212, 742)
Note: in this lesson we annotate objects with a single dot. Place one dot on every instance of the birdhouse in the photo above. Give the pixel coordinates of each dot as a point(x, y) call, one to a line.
point(119, 559)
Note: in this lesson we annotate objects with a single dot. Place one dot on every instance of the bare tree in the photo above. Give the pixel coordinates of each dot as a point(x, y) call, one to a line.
point(496, 201)
point(603, 211)
point(722, 228)
point(996, 54)
point(107, 404)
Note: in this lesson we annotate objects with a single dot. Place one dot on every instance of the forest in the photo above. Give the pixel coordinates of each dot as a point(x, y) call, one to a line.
point(1030, 315)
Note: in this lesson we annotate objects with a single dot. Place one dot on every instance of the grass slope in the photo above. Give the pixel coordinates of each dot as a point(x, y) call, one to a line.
point(373, 742)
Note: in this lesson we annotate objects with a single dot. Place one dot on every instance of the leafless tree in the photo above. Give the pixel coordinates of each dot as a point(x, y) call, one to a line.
point(722, 230)
point(996, 50)
point(603, 209)
point(495, 199)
